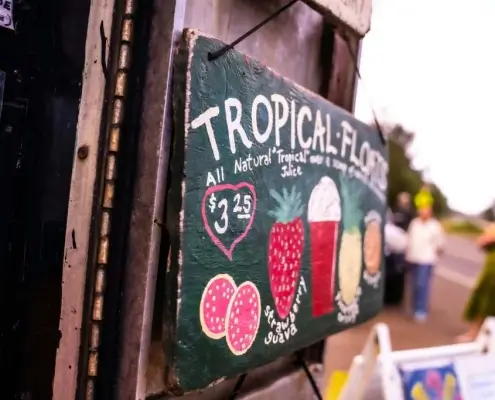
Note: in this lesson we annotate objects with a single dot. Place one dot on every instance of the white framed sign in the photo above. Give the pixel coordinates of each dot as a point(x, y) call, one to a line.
point(353, 14)
point(459, 371)
point(477, 376)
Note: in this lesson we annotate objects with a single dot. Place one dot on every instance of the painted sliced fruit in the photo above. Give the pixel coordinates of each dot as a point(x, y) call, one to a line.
point(373, 247)
point(350, 257)
point(243, 318)
point(214, 304)
point(285, 248)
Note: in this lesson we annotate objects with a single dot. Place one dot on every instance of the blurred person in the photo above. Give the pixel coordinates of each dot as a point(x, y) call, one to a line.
point(395, 245)
point(403, 216)
point(404, 212)
point(424, 245)
point(482, 301)
point(395, 239)
point(389, 216)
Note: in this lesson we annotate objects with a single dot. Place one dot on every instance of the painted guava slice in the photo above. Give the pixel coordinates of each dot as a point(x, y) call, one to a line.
point(214, 304)
point(243, 318)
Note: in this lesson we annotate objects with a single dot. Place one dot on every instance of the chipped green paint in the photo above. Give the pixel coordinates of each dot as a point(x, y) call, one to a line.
point(260, 264)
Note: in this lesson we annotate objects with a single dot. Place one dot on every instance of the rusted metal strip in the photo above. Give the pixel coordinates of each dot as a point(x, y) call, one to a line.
point(107, 201)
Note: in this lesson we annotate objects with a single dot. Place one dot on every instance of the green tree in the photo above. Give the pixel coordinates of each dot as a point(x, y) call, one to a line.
point(402, 177)
point(488, 214)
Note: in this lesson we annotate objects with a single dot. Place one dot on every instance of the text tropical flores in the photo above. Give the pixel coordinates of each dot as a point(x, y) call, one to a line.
point(309, 130)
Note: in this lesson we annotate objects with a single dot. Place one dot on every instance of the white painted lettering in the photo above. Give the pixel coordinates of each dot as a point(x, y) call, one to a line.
point(330, 148)
point(346, 138)
point(283, 330)
point(354, 159)
point(311, 141)
point(364, 157)
point(293, 124)
point(319, 133)
point(205, 119)
point(234, 125)
point(304, 113)
point(281, 114)
point(261, 137)
point(210, 180)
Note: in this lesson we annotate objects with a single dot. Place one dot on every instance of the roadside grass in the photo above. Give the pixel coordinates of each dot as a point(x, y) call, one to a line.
point(461, 227)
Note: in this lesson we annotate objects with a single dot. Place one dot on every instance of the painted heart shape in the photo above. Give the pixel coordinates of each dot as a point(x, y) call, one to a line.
point(218, 188)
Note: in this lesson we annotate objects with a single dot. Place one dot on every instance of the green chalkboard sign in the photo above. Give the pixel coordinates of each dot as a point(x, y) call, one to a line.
point(275, 214)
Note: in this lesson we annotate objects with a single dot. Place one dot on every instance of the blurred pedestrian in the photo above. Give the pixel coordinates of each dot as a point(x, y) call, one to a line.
point(425, 243)
point(403, 216)
point(482, 301)
point(395, 247)
point(395, 237)
point(404, 212)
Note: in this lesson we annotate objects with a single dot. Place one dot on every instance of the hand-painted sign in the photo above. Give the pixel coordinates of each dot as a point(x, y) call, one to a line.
point(354, 14)
point(439, 382)
point(477, 375)
point(275, 215)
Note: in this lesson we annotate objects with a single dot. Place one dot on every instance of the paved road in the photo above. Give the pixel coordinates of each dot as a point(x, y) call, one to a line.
point(454, 277)
point(461, 263)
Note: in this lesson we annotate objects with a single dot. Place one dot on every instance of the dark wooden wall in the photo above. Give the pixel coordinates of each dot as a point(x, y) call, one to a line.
point(290, 44)
point(43, 61)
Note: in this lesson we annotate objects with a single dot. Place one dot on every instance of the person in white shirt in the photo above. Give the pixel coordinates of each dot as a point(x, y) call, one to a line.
point(425, 243)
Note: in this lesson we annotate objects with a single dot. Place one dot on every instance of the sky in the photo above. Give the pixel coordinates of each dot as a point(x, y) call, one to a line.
point(430, 65)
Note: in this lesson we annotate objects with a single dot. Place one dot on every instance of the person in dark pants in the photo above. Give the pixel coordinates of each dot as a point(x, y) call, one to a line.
point(394, 261)
point(403, 216)
point(404, 212)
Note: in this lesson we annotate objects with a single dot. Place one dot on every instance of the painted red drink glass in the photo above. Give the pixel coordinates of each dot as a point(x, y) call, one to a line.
point(324, 214)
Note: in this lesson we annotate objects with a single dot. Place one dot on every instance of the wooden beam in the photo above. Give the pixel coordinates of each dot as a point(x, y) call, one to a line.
point(351, 15)
point(343, 78)
point(145, 236)
point(81, 200)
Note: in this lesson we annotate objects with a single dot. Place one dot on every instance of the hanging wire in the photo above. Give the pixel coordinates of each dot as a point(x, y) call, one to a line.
point(237, 387)
point(212, 56)
point(216, 54)
point(300, 362)
point(358, 73)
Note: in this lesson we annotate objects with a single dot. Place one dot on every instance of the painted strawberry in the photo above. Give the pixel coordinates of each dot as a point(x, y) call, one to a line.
point(285, 249)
